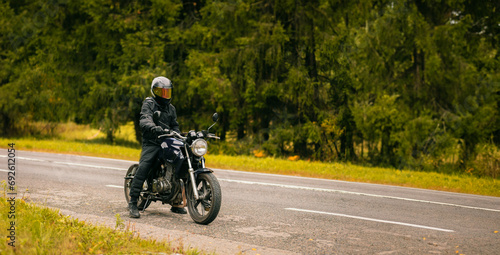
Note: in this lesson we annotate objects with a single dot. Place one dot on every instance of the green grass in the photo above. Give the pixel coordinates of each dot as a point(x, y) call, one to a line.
point(83, 140)
point(41, 230)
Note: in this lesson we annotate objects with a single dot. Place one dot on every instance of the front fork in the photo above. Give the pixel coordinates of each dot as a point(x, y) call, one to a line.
point(191, 175)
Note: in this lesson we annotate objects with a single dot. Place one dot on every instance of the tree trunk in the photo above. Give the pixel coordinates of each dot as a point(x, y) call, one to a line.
point(110, 136)
point(386, 148)
point(346, 138)
point(418, 66)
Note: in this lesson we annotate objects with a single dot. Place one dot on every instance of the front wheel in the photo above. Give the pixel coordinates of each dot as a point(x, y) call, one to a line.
point(204, 210)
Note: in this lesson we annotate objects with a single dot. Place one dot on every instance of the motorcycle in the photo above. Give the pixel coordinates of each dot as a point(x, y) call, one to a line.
point(179, 176)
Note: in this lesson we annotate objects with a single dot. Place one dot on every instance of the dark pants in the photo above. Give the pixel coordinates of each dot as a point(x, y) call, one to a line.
point(148, 158)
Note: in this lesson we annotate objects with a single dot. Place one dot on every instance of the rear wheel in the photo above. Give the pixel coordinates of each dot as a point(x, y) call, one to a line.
point(206, 209)
point(141, 201)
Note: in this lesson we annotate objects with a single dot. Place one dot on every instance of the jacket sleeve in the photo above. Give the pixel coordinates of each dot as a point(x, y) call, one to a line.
point(174, 125)
point(146, 121)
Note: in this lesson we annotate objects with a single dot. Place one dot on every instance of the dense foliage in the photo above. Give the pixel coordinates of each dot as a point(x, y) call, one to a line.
point(408, 83)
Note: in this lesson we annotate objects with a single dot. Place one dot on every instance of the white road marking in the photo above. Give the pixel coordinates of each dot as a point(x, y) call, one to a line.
point(428, 191)
point(115, 186)
point(92, 166)
point(370, 219)
point(24, 158)
point(111, 159)
point(279, 185)
point(3, 170)
point(31, 159)
point(71, 164)
point(356, 193)
point(292, 177)
point(98, 158)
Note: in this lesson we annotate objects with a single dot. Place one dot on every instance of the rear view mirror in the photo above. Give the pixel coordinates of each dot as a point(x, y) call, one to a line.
point(215, 117)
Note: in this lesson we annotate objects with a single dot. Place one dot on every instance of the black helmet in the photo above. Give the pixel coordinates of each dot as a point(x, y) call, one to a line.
point(161, 89)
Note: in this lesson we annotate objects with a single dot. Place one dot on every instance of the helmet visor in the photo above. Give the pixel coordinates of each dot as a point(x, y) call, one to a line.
point(163, 92)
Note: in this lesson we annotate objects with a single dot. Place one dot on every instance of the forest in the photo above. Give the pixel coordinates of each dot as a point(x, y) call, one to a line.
point(410, 84)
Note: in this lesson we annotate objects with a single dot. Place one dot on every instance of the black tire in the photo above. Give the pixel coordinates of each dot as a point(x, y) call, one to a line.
point(207, 208)
point(141, 201)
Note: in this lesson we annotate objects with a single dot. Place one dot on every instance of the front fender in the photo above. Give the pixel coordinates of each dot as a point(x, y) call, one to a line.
point(202, 170)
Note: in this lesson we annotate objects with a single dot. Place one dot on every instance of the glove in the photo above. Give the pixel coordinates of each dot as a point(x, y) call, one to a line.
point(158, 130)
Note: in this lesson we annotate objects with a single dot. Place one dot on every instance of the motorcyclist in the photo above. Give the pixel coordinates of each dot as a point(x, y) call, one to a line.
point(161, 91)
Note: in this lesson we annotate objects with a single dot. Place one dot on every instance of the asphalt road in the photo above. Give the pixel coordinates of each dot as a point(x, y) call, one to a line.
point(273, 214)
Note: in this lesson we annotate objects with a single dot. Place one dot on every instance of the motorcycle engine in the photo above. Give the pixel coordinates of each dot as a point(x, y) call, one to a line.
point(161, 185)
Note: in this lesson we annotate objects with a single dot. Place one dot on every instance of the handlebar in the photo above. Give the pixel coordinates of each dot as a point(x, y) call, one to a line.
point(175, 134)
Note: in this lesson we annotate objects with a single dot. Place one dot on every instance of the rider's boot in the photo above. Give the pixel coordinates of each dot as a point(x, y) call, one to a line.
point(178, 210)
point(134, 211)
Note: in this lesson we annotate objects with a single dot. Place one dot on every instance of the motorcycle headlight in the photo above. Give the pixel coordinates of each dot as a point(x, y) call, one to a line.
point(199, 147)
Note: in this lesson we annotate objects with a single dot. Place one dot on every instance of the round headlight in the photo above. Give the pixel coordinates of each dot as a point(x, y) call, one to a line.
point(199, 147)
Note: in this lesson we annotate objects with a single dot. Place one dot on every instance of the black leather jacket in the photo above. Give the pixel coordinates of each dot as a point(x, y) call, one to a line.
point(168, 117)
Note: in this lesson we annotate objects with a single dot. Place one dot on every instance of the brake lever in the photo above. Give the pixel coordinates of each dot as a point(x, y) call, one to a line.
point(213, 136)
point(178, 135)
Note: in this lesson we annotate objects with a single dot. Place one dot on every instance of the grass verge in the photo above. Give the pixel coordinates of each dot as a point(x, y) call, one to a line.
point(41, 230)
point(463, 183)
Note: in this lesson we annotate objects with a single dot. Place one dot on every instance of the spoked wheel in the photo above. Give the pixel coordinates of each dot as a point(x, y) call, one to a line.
point(141, 201)
point(204, 210)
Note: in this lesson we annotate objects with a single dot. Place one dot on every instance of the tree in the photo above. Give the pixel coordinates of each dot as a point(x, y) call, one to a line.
point(373, 81)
